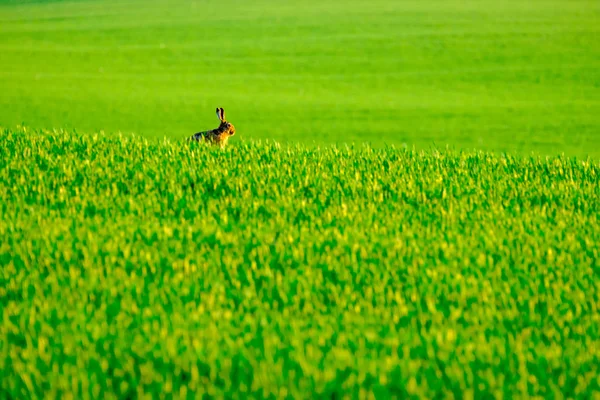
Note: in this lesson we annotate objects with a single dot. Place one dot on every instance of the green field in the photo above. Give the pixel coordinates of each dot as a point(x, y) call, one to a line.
point(518, 76)
point(409, 209)
point(134, 267)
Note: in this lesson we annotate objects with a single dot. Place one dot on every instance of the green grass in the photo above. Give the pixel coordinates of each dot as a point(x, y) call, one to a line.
point(162, 267)
point(493, 75)
point(448, 257)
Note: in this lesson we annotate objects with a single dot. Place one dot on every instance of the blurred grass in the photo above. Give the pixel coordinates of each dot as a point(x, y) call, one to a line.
point(495, 75)
point(131, 267)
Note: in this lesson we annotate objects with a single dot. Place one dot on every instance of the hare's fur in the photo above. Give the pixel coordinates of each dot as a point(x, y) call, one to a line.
point(218, 136)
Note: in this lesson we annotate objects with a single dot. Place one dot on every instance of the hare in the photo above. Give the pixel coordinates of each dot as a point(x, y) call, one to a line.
point(219, 135)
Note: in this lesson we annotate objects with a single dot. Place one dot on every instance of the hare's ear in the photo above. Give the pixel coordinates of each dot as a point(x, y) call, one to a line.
point(219, 113)
point(222, 114)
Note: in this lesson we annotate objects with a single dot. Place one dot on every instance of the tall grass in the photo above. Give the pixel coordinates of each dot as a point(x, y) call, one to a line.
point(131, 266)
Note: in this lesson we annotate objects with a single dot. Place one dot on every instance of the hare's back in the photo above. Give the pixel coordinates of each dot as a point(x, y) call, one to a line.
point(205, 135)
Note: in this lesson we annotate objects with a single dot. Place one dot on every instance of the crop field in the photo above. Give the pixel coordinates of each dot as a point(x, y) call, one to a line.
point(409, 209)
point(131, 266)
point(497, 75)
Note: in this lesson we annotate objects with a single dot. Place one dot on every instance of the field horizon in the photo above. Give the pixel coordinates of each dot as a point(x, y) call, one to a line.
point(242, 141)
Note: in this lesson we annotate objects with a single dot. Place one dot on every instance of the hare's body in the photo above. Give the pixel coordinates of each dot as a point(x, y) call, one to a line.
point(218, 136)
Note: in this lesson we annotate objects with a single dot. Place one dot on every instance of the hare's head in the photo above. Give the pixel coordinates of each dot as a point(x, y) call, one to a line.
point(225, 126)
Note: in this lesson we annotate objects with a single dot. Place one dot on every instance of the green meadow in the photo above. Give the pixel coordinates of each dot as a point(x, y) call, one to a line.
point(132, 269)
point(494, 75)
point(409, 209)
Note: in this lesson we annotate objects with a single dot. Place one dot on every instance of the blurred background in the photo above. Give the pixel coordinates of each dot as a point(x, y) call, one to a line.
point(508, 76)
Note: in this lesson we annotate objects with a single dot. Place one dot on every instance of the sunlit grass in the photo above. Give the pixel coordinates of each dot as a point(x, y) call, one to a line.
point(131, 266)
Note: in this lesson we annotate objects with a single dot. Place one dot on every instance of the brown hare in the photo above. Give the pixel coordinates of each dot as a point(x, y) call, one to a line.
point(219, 135)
